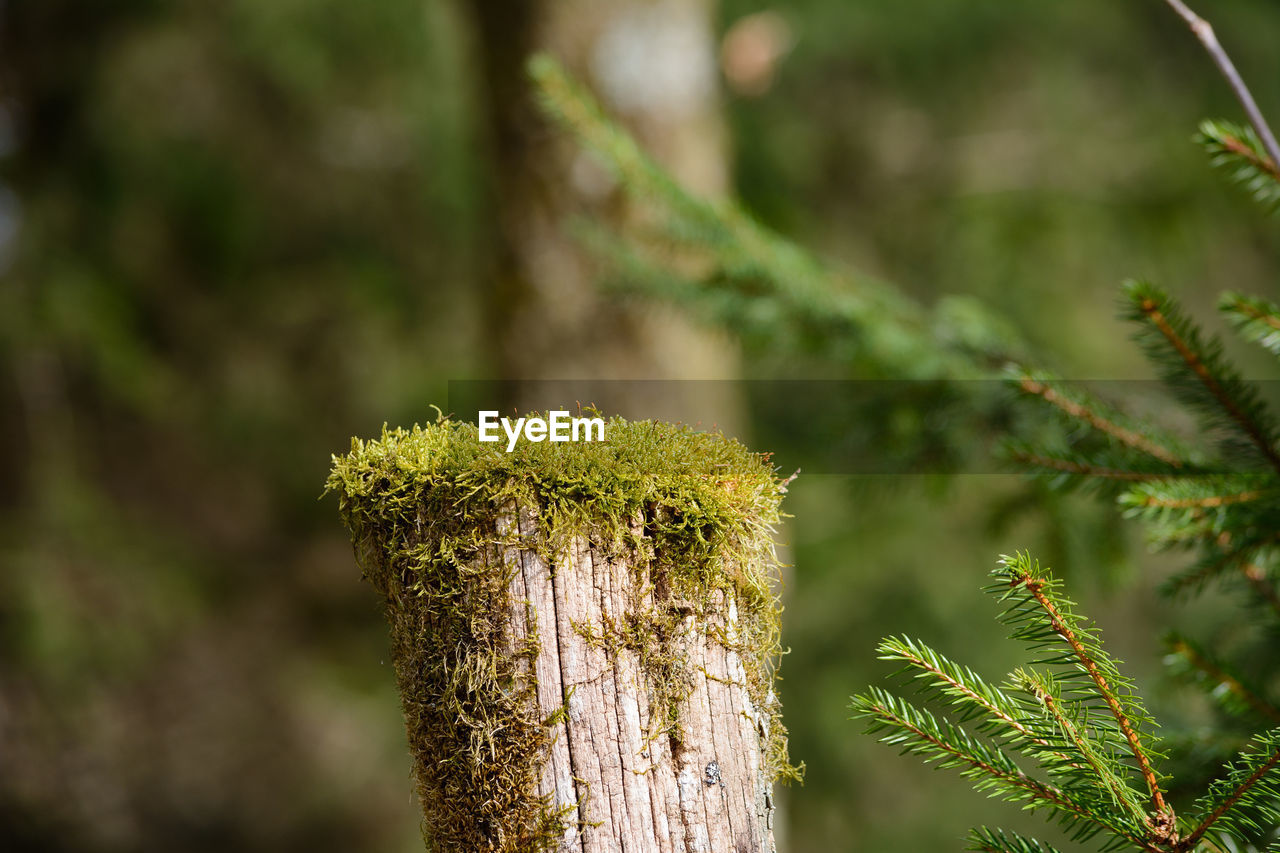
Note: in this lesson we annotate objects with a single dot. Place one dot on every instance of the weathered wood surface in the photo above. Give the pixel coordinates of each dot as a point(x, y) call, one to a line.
point(628, 784)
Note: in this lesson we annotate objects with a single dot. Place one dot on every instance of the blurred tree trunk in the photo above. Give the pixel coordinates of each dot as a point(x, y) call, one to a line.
point(653, 65)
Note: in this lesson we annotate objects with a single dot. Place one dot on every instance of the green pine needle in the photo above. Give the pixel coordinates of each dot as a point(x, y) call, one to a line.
point(1079, 409)
point(1256, 320)
point(989, 840)
point(1197, 372)
point(1237, 152)
point(1245, 802)
point(1230, 690)
point(1072, 715)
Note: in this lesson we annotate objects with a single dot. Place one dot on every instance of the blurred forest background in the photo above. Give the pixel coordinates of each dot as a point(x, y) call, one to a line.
point(233, 235)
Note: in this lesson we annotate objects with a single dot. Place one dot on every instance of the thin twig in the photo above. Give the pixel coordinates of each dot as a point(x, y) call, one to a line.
point(1084, 469)
point(1204, 32)
point(1098, 422)
point(1211, 502)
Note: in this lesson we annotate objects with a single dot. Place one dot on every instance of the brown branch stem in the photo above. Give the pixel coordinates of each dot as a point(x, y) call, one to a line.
point(1244, 307)
point(1113, 704)
point(1082, 744)
point(1211, 502)
point(1098, 422)
point(1204, 32)
point(1244, 151)
point(1086, 470)
point(1189, 842)
point(1151, 309)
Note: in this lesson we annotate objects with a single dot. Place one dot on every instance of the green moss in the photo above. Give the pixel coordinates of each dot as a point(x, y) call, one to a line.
point(423, 505)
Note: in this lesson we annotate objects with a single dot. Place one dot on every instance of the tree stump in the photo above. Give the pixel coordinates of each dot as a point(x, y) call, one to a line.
point(585, 635)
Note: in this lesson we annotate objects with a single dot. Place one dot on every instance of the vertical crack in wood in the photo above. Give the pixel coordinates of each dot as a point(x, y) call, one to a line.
point(558, 775)
point(594, 800)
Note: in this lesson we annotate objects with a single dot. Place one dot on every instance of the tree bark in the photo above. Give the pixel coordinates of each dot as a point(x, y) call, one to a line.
point(634, 784)
point(652, 63)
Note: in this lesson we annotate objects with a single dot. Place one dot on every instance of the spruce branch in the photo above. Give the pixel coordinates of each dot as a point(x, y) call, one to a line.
point(714, 257)
point(1222, 557)
point(1198, 510)
point(964, 688)
point(918, 732)
point(1247, 800)
point(1204, 32)
point(1154, 501)
point(1090, 412)
point(1236, 145)
point(1237, 152)
point(1165, 327)
point(1083, 723)
point(1022, 576)
point(1058, 462)
point(1071, 723)
point(745, 262)
point(1189, 660)
point(1255, 319)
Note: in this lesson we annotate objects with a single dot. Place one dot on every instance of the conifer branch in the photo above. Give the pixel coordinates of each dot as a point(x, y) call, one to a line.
point(948, 675)
point(1042, 691)
point(1256, 319)
point(1238, 557)
point(1209, 502)
point(1244, 790)
point(1204, 32)
point(1237, 152)
point(1036, 588)
point(1077, 410)
point(1238, 147)
point(920, 733)
point(748, 275)
point(1194, 658)
point(1246, 306)
point(1088, 716)
point(1203, 511)
point(1084, 469)
point(1151, 309)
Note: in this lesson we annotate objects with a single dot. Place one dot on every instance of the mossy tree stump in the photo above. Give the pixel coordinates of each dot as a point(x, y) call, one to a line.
point(584, 634)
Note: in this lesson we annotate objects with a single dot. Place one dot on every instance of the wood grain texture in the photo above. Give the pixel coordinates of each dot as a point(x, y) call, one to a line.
point(631, 783)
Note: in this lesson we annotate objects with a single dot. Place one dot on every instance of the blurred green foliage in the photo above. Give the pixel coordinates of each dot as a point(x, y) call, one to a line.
point(247, 231)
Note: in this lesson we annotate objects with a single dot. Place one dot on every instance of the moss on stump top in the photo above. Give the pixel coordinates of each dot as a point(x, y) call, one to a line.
point(426, 509)
point(708, 486)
